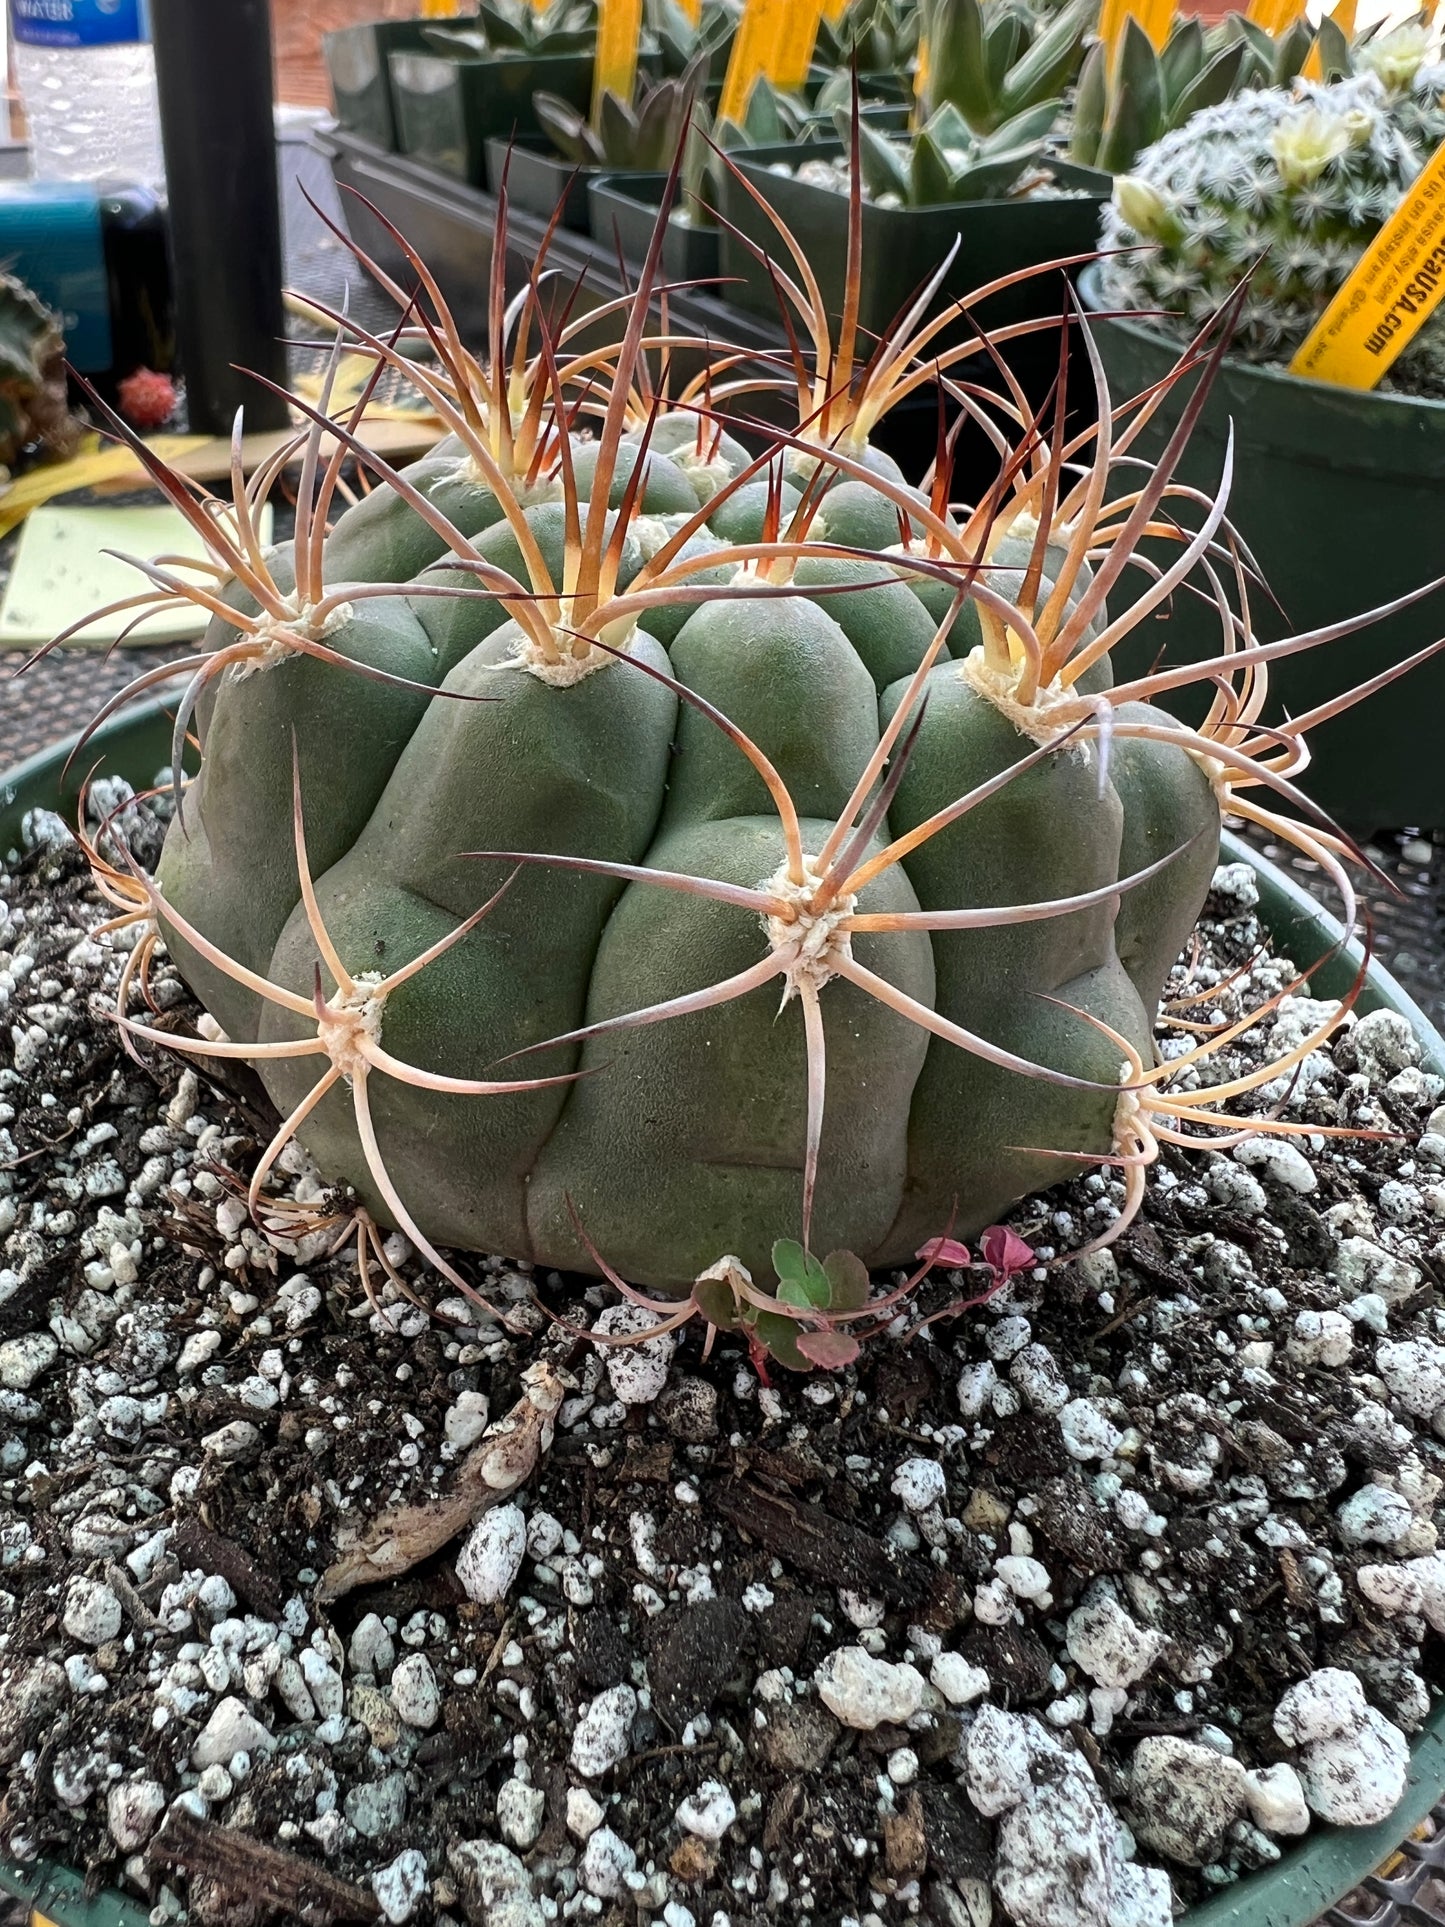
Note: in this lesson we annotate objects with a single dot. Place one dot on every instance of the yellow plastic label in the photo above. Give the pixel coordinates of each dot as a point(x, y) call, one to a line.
point(1275, 16)
point(692, 8)
point(619, 28)
point(793, 52)
point(835, 9)
point(1392, 293)
point(1156, 17)
point(440, 9)
point(761, 29)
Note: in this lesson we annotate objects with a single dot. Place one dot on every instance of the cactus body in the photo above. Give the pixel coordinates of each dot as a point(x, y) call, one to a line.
point(684, 1138)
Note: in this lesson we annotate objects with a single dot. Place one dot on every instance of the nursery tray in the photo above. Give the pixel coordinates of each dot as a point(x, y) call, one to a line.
point(1310, 1880)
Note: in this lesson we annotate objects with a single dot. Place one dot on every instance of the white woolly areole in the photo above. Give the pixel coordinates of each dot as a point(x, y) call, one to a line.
point(279, 636)
point(814, 942)
point(346, 1021)
point(468, 472)
point(707, 474)
point(567, 670)
point(1052, 711)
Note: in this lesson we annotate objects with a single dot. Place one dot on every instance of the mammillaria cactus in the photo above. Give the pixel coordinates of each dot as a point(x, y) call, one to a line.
point(1287, 188)
point(628, 896)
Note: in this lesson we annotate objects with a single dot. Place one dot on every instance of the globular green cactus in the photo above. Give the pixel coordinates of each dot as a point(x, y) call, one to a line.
point(624, 896)
point(33, 405)
point(1287, 188)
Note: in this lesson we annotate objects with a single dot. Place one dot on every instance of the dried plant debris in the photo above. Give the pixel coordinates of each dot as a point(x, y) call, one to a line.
point(322, 1604)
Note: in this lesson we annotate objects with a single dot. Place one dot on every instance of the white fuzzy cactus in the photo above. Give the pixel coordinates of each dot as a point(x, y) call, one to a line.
point(1297, 181)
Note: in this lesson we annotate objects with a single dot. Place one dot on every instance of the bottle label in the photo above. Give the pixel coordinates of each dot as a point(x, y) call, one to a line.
point(78, 23)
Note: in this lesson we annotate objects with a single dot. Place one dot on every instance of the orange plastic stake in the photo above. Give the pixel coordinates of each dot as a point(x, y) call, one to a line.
point(793, 51)
point(761, 28)
point(619, 28)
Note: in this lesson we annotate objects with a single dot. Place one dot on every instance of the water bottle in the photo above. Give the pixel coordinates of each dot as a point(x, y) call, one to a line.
point(87, 76)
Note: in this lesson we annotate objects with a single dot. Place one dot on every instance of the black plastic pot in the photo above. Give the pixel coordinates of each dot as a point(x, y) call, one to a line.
point(449, 109)
point(1341, 497)
point(902, 247)
point(357, 64)
point(1308, 1880)
point(538, 178)
point(623, 211)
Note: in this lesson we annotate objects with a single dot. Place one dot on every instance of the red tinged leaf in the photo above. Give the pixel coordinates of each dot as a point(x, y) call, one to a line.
point(1005, 1253)
point(831, 1350)
point(945, 1251)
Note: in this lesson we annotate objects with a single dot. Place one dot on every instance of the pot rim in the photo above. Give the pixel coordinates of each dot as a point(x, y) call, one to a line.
point(1308, 1879)
point(1276, 380)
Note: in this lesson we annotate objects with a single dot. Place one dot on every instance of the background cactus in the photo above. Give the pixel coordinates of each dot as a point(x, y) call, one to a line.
point(811, 882)
point(33, 404)
point(994, 65)
point(1287, 187)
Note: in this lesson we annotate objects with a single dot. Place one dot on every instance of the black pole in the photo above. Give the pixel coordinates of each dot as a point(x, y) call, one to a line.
point(213, 74)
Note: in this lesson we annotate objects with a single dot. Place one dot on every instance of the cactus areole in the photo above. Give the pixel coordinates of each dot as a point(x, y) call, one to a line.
point(612, 848)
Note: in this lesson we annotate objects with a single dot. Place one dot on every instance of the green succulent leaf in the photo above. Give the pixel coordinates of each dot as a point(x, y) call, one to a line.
point(1091, 102)
point(1003, 41)
point(883, 164)
point(956, 69)
point(1292, 51)
point(1335, 61)
point(1215, 83)
point(1183, 58)
point(930, 178)
point(617, 132)
point(802, 1280)
point(1136, 111)
point(1050, 63)
point(779, 1337)
point(567, 130)
point(990, 180)
point(1028, 129)
point(717, 1304)
point(848, 1279)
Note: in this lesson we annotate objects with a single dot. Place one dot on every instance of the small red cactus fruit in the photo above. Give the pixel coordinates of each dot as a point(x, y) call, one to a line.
point(147, 400)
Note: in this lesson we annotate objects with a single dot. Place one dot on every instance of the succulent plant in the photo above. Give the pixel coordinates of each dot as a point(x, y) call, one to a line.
point(1125, 105)
point(643, 135)
point(671, 871)
point(33, 407)
point(878, 36)
point(503, 27)
point(946, 161)
point(993, 66)
point(1286, 189)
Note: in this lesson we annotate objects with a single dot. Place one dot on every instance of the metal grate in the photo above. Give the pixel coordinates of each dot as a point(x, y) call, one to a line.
point(1408, 1891)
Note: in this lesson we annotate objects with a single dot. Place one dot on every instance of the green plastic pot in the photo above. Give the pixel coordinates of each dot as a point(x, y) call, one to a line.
point(357, 65)
point(623, 210)
point(538, 179)
point(903, 247)
point(1308, 1880)
point(449, 108)
point(1341, 497)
